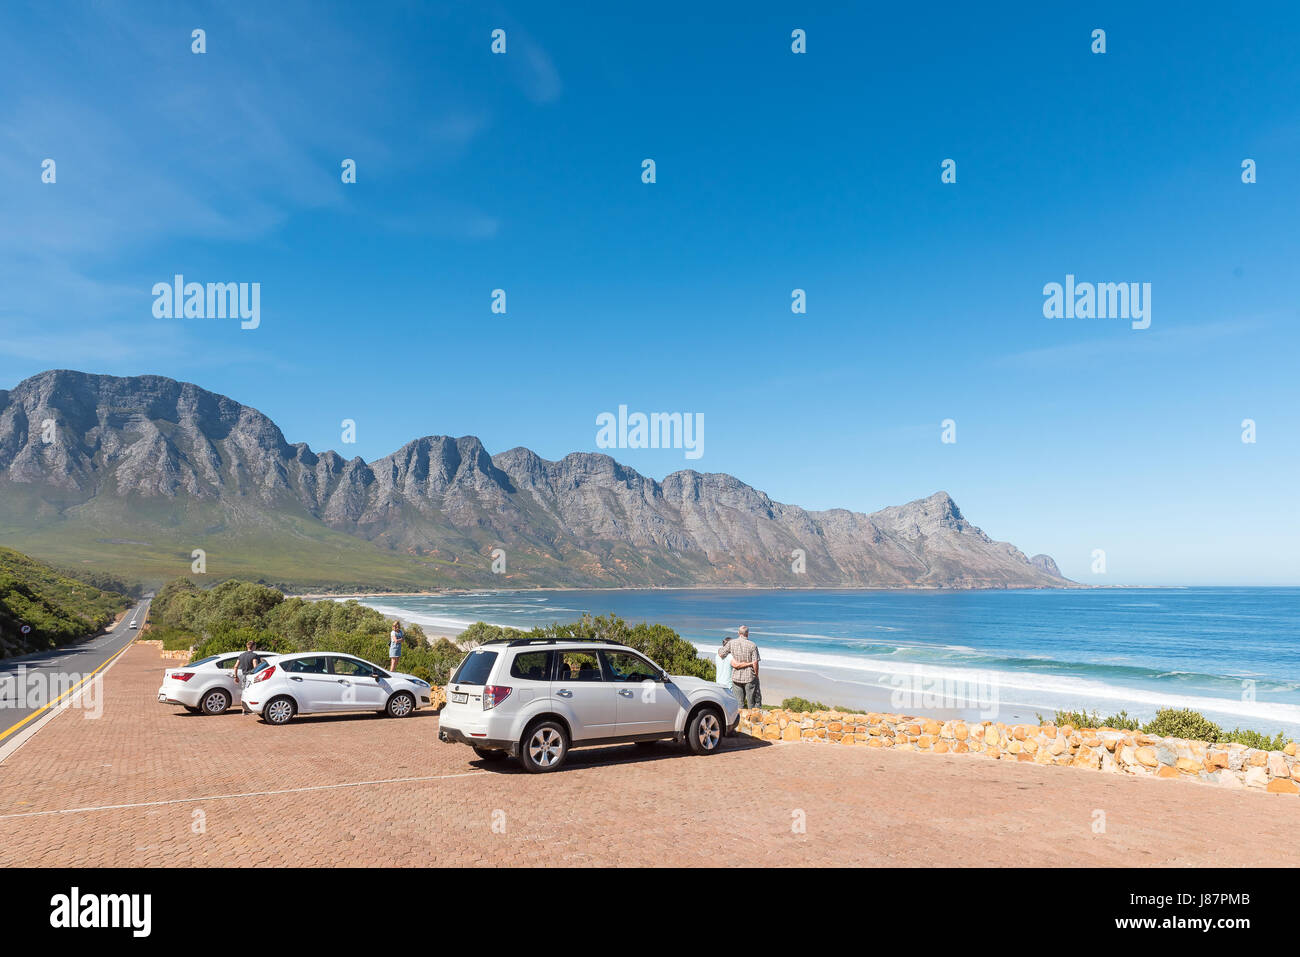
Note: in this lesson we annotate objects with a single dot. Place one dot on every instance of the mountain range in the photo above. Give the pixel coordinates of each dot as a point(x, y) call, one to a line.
point(153, 477)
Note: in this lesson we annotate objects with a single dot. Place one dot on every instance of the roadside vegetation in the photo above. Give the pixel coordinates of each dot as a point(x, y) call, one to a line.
point(1173, 723)
point(57, 607)
point(226, 616)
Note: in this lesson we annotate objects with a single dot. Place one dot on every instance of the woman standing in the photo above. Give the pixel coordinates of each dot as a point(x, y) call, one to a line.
point(723, 664)
point(395, 645)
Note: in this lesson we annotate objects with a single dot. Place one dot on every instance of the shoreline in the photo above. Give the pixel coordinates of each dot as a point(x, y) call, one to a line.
point(955, 691)
point(936, 589)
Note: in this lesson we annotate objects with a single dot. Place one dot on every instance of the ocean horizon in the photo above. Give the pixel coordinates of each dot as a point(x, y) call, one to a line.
point(1008, 655)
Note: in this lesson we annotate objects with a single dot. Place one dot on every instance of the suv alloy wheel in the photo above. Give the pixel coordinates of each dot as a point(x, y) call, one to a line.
point(705, 733)
point(545, 746)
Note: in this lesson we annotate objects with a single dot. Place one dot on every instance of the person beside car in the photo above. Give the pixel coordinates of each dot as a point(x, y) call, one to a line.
point(247, 662)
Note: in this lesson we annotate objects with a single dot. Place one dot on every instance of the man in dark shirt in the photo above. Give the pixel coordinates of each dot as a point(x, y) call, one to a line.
point(246, 663)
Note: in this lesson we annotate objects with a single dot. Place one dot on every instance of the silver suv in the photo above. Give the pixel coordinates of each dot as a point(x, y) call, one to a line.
point(534, 699)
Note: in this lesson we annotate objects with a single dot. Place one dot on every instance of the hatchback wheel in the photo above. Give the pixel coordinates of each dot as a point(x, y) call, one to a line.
point(400, 705)
point(278, 711)
point(544, 747)
point(215, 702)
point(705, 733)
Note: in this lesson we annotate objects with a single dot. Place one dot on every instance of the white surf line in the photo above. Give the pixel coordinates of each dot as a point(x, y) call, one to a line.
point(244, 794)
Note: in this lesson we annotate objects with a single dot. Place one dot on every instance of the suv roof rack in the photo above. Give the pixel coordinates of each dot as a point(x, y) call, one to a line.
point(516, 642)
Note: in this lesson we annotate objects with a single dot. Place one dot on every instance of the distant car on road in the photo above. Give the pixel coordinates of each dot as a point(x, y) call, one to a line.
point(535, 699)
point(133, 625)
point(206, 686)
point(320, 682)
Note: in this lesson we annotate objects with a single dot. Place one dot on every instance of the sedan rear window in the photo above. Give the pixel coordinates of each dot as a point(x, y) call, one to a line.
point(476, 667)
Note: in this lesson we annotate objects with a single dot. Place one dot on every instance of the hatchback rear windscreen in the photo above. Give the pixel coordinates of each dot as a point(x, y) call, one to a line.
point(474, 670)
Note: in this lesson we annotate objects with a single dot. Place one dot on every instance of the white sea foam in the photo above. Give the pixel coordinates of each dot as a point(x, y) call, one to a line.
point(1034, 689)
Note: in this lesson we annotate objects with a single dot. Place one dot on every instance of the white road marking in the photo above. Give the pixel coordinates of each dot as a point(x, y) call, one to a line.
point(228, 797)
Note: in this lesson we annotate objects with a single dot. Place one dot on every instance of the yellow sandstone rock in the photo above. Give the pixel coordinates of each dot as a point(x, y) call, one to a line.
point(1147, 756)
point(1282, 786)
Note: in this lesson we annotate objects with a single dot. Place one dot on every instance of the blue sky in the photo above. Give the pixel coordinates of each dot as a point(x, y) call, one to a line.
point(775, 171)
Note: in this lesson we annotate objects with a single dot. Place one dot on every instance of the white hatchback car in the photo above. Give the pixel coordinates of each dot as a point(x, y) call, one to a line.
point(206, 686)
point(318, 682)
point(536, 699)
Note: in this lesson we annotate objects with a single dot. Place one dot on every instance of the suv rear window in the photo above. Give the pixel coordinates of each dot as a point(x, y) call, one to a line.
point(532, 665)
point(476, 667)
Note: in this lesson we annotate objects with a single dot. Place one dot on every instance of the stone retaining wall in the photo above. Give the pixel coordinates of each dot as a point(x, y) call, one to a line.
point(1098, 749)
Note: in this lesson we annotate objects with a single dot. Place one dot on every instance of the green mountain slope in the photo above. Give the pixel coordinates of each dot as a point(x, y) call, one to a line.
point(57, 608)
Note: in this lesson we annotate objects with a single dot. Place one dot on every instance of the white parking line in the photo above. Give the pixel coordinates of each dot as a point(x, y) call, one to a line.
point(228, 797)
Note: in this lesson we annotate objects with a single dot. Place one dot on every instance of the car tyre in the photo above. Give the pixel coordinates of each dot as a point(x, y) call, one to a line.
point(278, 711)
point(215, 702)
point(489, 754)
point(705, 732)
point(400, 705)
point(544, 747)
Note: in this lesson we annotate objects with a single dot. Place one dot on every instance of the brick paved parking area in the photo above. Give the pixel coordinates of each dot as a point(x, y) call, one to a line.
point(148, 785)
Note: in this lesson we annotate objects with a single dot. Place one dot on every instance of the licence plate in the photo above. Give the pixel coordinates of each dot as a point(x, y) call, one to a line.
point(459, 697)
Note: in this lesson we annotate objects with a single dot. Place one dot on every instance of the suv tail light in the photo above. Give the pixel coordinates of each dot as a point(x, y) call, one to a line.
point(493, 695)
point(182, 675)
point(264, 673)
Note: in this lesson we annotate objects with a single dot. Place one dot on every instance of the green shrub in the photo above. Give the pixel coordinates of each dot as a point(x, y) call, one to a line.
point(802, 705)
point(481, 631)
point(1183, 723)
point(1253, 739)
point(1084, 719)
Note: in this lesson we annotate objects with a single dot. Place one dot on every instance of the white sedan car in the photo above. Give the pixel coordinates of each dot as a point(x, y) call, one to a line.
point(206, 686)
point(319, 682)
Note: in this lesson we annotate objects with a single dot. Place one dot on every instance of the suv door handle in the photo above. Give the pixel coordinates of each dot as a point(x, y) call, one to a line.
point(294, 678)
point(624, 692)
point(564, 693)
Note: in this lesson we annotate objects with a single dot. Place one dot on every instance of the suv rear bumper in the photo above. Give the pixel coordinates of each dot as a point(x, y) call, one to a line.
point(457, 736)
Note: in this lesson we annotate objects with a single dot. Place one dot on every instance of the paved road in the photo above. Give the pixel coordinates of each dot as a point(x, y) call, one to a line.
point(148, 784)
point(28, 683)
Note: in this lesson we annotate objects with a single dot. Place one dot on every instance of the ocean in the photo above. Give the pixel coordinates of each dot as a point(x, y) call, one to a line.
point(1231, 653)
